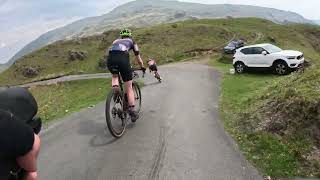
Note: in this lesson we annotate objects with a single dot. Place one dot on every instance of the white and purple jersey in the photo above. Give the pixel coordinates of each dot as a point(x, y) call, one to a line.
point(124, 45)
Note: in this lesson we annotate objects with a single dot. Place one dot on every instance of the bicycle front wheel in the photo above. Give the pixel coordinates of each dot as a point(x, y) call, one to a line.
point(115, 115)
point(137, 96)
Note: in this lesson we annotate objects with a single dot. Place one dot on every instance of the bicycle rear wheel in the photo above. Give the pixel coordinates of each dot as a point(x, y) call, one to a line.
point(137, 96)
point(115, 115)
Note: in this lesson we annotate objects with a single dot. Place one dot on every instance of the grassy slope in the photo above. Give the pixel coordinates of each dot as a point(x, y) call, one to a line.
point(56, 101)
point(252, 104)
point(274, 154)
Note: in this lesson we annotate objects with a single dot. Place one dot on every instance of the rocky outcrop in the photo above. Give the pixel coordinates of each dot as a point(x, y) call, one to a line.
point(30, 71)
point(77, 55)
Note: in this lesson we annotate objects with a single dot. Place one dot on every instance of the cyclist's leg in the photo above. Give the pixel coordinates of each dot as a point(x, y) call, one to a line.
point(126, 74)
point(115, 80)
point(131, 100)
point(113, 66)
point(130, 93)
point(154, 70)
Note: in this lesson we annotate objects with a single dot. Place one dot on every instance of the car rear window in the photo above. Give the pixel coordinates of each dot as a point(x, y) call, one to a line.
point(246, 51)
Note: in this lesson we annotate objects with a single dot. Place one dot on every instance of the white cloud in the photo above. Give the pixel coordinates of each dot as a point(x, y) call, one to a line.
point(16, 38)
point(2, 45)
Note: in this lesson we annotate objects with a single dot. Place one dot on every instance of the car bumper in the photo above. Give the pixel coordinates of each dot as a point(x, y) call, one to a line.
point(294, 64)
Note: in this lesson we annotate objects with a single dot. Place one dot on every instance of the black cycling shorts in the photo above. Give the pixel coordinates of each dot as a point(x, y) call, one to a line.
point(153, 67)
point(16, 137)
point(119, 62)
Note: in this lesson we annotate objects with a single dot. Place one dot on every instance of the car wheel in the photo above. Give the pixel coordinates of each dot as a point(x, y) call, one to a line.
point(239, 67)
point(281, 68)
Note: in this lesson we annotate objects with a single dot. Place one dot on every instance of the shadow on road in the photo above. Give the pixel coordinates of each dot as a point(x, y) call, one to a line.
point(105, 138)
point(90, 127)
point(102, 140)
point(101, 137)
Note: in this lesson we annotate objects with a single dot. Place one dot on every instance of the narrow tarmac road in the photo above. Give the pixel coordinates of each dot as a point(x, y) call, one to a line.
point(179, 136)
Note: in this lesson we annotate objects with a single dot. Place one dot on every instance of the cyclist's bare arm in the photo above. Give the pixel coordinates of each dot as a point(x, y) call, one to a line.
point(136, 51)
point(29, 160)
point(139, 60)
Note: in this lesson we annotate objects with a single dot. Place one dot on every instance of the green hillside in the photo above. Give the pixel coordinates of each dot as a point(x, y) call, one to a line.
point(166, 43)
point(143, 13)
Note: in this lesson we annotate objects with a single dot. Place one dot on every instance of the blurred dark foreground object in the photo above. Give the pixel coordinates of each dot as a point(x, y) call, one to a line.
point(22, 105)
point(20, 102)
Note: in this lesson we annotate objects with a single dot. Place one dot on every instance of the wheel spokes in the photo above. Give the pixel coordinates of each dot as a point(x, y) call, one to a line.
point(239, 67)
point(281, 69)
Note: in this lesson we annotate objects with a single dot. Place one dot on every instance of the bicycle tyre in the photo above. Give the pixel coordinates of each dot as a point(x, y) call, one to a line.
point(114, 133)
point(137, 96)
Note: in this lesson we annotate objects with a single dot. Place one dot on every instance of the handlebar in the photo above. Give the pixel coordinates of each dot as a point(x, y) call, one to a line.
point(140, 69)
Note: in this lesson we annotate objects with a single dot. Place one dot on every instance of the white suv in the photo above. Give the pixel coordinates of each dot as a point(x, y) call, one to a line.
point(267, 56)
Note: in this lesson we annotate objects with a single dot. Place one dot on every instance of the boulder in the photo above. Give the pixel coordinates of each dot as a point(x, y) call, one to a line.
point(30, 71)
point(77, 55)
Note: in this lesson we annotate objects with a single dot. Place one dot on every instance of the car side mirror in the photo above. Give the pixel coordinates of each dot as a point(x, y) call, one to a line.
point(264, 53)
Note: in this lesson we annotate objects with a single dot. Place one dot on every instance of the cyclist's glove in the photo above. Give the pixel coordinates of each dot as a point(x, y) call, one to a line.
point(143, 69)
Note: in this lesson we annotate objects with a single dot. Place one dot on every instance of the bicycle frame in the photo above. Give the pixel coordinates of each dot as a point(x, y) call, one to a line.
point(135, 75)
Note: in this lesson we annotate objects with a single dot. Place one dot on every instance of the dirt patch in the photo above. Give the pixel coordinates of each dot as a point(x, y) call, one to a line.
point(294, 118)
point(313, 37)
point(291, 120)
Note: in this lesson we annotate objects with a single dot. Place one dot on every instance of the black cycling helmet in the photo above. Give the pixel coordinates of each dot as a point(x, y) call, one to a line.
point(125, 33)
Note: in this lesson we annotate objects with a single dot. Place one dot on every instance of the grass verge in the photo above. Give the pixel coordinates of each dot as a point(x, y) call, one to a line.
point(274, 154)
point(56, 101)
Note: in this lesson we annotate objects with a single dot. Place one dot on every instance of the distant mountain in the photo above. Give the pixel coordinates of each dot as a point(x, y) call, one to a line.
point(141, 13)
point(3, 67)
point(317, 22)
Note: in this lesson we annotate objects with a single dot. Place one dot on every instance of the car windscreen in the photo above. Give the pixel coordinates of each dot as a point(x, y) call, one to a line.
point(272, 49)
point(232, 44)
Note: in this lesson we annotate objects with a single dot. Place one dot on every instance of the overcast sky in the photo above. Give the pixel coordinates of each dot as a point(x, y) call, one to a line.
point(24, 20)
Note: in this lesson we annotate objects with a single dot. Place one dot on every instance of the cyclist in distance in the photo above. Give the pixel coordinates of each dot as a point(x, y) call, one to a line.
point(18, 142)
point(153, 68)
point(118, 61)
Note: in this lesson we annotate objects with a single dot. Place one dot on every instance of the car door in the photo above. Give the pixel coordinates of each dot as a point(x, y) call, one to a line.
point(257, 59)
point(246, 56)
